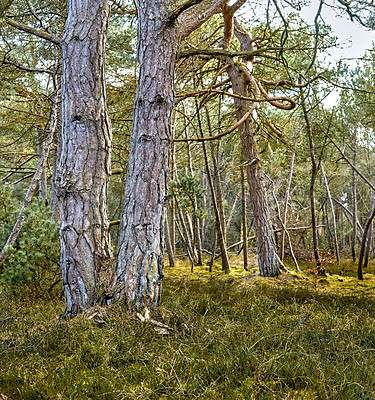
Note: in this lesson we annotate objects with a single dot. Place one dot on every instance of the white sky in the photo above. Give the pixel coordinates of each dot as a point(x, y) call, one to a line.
point(353, 39)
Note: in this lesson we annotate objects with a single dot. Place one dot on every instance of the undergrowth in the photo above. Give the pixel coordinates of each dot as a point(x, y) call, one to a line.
point(235, 336)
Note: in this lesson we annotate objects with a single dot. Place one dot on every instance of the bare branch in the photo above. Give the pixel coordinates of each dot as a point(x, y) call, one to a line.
point(220, 135)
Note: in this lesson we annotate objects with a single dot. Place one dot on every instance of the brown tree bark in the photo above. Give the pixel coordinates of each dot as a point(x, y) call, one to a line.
point(84, 167)
point(139, 268)
point(244, 220)
point(268, 262)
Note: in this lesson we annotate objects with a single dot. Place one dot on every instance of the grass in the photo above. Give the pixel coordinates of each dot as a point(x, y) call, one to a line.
point(235, 336)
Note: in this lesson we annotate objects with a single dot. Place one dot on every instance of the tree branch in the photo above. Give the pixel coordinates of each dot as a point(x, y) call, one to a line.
point(193, 17)
point(180, 9)
point(33, 31)
point(220, 135)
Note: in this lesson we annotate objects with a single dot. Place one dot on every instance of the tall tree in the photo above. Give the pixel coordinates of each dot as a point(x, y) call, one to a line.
point(139, 267)
point(84, 166)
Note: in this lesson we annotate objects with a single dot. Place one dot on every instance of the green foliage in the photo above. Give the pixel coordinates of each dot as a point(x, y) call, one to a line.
point(188, 188)
point(33, 261)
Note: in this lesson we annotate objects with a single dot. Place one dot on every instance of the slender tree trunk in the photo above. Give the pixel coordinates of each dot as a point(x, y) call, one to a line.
point(266, 248)
point(332, 213)
point(84, 168)
point(168, 244)
point(314, 171)
point(244, 221)
point(287, 193)
point(43, 176)
point(220, 223)
point(363, 245)
point(369, 235)
point(38, 173)
point(354, 199)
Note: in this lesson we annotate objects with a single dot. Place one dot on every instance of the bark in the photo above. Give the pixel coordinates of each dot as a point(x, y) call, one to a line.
point(332, 213)
point(139, 266)
point(244, 220)
point(287, 193)
point(139, 269)
point(266, 249)
point(314, 171)
point(354, 199)
point(84, 167)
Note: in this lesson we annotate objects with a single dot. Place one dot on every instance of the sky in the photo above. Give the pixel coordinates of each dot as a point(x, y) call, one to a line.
point(353, 39)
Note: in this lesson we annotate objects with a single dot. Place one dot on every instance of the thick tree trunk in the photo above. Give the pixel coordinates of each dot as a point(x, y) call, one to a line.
point(139, 270)
point(84, 168)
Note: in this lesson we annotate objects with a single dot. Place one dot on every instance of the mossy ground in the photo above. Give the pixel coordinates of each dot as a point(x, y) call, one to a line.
point(231, 336)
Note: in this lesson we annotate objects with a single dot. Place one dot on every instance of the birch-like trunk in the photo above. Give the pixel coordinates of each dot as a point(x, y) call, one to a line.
point(84, 167)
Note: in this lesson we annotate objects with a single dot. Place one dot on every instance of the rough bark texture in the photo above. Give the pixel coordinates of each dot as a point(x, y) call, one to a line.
point(139, 267)
point(266, 247)
point(139, 270)
point(84, 167)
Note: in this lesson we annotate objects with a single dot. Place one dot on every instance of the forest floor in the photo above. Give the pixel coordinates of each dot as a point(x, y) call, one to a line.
point(215, 336)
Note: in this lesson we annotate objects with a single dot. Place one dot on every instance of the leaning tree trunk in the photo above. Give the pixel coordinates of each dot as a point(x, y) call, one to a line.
point(84, 167)
point(139, 270)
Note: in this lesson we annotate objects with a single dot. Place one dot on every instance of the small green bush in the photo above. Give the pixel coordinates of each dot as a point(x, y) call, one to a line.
point(33, 261)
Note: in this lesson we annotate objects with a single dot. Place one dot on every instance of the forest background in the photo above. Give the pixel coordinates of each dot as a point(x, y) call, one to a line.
point(264, 174)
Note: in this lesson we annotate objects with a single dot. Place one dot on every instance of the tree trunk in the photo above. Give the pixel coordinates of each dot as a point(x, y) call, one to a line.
point(287, 193)
point(139, 266)
point(220, 222)
point(314, 171)
point(38, 173)
point(369, 235)
point(84, 168)
point(244, 220)
point(333, 215)
point(139, 270)
point(354, 199)
point(43, 176)
point(266, 248)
